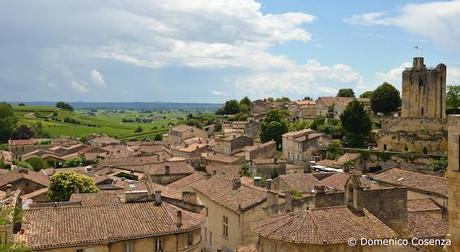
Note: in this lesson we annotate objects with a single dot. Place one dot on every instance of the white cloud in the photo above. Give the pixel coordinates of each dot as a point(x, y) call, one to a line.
point(97, 78)
point(80, 86)
point(393, 76)
point(437, 21)
point(367, 19)
point(218, 93)
point(201, 34)
point(311, 79)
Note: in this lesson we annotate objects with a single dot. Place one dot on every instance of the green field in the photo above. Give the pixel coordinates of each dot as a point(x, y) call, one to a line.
point(82, 123)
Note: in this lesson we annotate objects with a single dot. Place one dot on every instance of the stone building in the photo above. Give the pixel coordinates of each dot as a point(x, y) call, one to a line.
point(230, 207)
point(300, 146)
point(136, 225)
point(424, 91)
point(168, 172)
point(453, 178)
point(179, 134)
point(232, 144)
point(265, 150)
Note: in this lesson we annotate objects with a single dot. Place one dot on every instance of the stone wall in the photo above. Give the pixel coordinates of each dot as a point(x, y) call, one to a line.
point(453, 180)
point(422, 135)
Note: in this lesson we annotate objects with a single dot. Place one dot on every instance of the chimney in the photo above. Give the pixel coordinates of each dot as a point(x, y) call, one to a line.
point(179, 219)
point(268, 183)
point(166, 169)
point(257, 180)
point(189, 197)
point(272, 198)
point(8, 190)
point(275, 159)
point(236, 183)
point(214, 172)
point(158, 158)
point(288, 200)
point(110, 168)
point(320, 189)
point(157, 198)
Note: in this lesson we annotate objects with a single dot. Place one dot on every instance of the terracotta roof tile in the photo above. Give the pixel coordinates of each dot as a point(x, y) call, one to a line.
point(221, 191)
point(187, 181)
point(423, 225)
point(302, 182)
point(422, 205)
point(54, 227)
point(413, 180)
point(21, 173)
point(176, 167)
point(331, 225)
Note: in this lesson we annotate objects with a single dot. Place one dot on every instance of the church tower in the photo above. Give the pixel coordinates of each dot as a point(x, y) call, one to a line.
point(424, 91)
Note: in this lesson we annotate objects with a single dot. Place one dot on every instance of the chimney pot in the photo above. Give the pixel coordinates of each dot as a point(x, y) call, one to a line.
point(179, 219)
point(269, 183)
point(157, 198)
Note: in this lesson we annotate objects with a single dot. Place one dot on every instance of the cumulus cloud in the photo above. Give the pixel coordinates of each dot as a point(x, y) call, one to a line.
point(311, 79)
point(97, 78)
point(219, 35)
point(437, 21)
point(393, 76)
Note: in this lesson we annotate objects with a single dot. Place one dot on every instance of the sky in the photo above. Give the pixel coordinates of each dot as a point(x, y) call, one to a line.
point(216, 50)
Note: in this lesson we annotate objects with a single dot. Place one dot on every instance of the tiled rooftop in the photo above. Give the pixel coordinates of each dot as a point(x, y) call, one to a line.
point(413, 180)
point(54, 227)
point(331, 225)
point(221, 191)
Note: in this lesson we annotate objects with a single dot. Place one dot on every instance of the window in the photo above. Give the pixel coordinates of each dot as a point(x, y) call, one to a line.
point(80, 250)
point(205, 234)
point(158, 245)
point(190, 239)
point(129, 247)
point(210, 238)
point(225, 227)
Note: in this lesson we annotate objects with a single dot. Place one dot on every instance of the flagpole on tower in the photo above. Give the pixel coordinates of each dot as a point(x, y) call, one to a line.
point(416, 50)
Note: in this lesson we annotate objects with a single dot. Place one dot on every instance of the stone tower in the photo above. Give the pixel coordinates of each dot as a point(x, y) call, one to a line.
point(453, 180)
point(424, 91)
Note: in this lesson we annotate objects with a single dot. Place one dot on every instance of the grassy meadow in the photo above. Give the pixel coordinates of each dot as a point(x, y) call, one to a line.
point(116, 123)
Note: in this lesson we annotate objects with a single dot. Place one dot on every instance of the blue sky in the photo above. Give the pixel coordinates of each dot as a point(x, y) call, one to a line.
point(215, 50)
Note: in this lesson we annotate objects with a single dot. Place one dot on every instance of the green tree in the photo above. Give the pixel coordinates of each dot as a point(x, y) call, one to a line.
point(7, 121)
point(158, 137)
point(14, 247)
point(274, 126)
point(74, 162)
point(385, 99)
point(244, 171)
point(63, 184)
point(39, 131)
point(346, 92)
point(64, 106)
point(245, 101)
point(37, 163)
point(366, 94)
point(23, 132)
point(283, 99)
point(231, 107)
point(440, 164)
point(356, 123)
point(138, 129)
point(453, 96)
